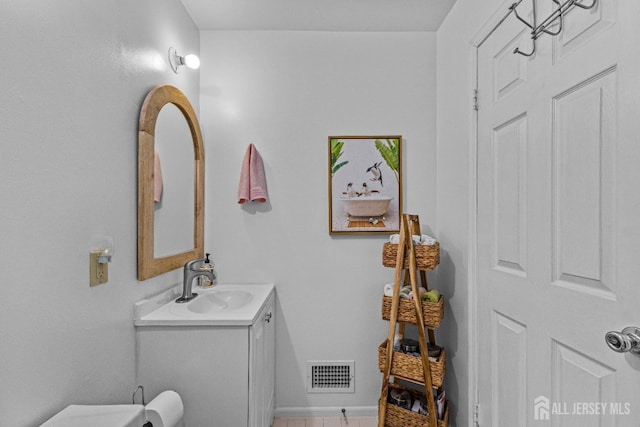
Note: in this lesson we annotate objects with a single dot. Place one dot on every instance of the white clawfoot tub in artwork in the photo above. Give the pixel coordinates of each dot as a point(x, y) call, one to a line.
point(368, 206)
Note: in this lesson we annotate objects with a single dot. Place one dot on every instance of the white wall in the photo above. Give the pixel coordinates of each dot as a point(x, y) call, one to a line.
point(68, 126)
point(454, 123)
point(286, 92)
point(73, 79)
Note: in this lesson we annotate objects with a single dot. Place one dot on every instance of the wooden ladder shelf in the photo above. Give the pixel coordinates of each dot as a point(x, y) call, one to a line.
point(401, 417)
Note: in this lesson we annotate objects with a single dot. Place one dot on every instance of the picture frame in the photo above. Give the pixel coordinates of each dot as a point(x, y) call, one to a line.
point(365, 184)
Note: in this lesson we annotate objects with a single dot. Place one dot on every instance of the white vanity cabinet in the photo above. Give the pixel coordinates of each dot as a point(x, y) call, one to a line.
point(224, 373)
point(262, 368)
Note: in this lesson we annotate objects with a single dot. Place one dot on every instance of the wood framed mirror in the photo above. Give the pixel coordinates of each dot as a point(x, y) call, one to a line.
point(153, 261)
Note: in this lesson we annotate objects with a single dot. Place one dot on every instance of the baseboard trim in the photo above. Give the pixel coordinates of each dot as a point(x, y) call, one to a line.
point(325, 412)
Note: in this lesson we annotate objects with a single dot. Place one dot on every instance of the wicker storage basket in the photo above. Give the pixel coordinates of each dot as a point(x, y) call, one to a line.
point(432, 312)
point(400, 417)
point(410, 367)
point(427, 256)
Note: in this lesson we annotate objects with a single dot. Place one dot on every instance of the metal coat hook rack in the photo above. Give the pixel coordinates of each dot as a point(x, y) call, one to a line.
point(556, 17)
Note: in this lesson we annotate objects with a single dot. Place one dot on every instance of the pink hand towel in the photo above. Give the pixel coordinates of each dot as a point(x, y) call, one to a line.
point(157, 179)
point(253, 183)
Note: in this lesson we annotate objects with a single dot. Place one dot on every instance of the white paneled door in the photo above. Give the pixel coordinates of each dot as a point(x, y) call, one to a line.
point(558, 219)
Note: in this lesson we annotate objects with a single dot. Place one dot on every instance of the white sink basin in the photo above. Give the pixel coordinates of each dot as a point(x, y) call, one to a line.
point(221, 300)
point(226, 304)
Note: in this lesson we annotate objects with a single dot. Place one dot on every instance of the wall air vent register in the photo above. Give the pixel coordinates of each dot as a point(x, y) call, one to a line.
point(330, 376)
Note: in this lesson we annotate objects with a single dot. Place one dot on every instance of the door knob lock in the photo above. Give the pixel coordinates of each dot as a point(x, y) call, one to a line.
point(626, 341)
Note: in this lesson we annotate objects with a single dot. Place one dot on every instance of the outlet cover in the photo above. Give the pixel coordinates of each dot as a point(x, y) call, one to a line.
point(98, 273)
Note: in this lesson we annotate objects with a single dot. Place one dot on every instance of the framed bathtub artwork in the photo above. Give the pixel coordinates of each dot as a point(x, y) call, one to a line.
point(365, 184)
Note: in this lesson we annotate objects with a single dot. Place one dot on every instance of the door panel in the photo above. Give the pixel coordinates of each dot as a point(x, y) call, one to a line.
point(558, 210)
point(510, 71)
point(510, 183)
point(577, 377)
point(584, 186)
point(509, 370)
point(579, 28)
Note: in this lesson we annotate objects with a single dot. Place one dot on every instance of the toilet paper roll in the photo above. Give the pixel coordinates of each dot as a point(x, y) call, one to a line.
point(165, 410)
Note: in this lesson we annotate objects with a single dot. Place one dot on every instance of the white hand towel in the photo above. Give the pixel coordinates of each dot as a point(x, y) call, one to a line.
point(388, 290)
point(427, 240)
point(395, 239)
point(417, 240)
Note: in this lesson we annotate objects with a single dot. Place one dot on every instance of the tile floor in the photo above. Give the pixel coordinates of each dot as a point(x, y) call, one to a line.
point(326, 422)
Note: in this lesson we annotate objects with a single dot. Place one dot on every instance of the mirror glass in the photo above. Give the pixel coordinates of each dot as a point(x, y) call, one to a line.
point(173, 213)
point(171, 230)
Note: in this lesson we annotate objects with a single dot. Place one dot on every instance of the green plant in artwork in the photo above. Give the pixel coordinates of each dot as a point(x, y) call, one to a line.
point(336, 152)
point(390, 152)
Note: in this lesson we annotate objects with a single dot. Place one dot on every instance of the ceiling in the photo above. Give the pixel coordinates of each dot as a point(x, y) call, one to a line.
point(319, 15)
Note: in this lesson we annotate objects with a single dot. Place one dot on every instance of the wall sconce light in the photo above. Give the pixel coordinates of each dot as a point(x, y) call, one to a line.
point(175, 60)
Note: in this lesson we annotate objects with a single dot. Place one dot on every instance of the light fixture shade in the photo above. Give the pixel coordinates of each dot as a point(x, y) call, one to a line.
point(192, 61)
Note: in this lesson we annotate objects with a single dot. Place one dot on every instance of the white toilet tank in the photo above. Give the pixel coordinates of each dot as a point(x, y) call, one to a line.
point(98, 416)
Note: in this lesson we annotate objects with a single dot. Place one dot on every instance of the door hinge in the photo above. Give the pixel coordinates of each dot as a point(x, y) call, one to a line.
point(475, 99)
point(476, 415)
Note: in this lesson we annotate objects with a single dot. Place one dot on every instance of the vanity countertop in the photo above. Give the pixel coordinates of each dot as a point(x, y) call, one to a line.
point(221, 305)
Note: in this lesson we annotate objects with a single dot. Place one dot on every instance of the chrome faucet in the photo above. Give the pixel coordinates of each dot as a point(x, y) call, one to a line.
point(192, 269)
